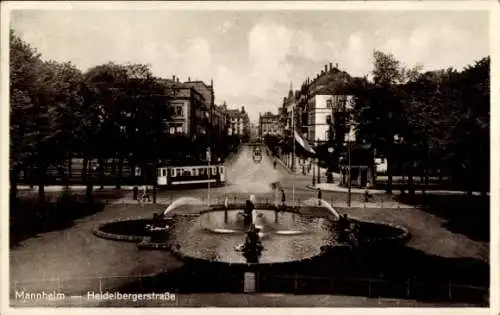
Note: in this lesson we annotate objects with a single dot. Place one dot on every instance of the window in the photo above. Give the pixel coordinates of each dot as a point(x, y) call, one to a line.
point(163, 172)
point(222, 170)
point(328, 119)
point(179, 130)
point(172, 130)
point(179, 111)
point(329, 103)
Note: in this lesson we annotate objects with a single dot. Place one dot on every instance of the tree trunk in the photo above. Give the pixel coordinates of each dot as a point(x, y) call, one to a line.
point(14, 173)
point(427, 171)
point(84, 168)
point(31, 177)
point(135, 180)
point(120, 172)
point(100, 173)
point(70, 166)
point(154, 180)
point(42, 174)
point(389, 176)
point(62, 174)
point(113, 166)
point(411, 186)
point(86, 180)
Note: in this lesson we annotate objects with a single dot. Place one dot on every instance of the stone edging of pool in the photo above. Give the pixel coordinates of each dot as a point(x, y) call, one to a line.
point(144, 241)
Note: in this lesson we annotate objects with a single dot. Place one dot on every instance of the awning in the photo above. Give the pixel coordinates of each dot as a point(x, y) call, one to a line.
point(303, 143)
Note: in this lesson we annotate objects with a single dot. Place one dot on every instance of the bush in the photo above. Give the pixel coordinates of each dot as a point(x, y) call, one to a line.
point(66, 196)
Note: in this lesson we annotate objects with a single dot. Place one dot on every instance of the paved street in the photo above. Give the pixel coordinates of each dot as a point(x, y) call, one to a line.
point(245, 177)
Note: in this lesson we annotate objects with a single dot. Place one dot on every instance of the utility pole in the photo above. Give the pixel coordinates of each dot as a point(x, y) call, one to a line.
point(349, 161)
point(293, 143)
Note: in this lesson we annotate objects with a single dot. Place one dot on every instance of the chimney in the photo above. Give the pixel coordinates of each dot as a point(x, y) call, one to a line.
point(177, 80)
point(189, 79)
point(331, 66)
point(326, 68)
point(173, 78)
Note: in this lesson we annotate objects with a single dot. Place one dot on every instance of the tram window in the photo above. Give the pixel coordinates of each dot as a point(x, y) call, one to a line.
point(163, 172)
point(194, 172)
point(214, 170)
point(222, 170)
point(203, 171)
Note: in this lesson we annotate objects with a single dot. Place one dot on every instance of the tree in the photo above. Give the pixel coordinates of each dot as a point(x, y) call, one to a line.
point(25, 65)
point(379, 105)
point(132, 108)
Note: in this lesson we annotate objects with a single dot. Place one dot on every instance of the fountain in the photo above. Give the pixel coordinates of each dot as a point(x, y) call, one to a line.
point(257, 235)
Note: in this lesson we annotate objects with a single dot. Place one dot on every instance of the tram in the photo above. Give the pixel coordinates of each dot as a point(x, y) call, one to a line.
point(191, 175)
point(257, 154)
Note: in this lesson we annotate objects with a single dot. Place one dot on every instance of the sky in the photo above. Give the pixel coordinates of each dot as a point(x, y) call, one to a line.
point(254, 56)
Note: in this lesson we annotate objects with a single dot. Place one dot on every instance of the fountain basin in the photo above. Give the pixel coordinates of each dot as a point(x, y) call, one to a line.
point(213, 235)
point(130, 230)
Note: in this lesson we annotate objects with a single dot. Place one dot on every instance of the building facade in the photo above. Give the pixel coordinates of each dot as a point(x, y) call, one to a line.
point(189, 111)
point(318, 105)
point(269, 125)
point(239, 122)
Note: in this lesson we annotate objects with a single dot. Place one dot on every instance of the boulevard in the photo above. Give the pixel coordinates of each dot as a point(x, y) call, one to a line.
point(76, 260)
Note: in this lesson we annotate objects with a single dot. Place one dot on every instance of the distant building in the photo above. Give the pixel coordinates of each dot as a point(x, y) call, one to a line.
point(318, 107)
point(269, 124)
point(220, 119)
point(190, 111)
point(239, 122)
point(254, 131)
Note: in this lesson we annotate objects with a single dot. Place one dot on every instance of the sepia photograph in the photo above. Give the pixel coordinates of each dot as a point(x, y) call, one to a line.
point(216, 155)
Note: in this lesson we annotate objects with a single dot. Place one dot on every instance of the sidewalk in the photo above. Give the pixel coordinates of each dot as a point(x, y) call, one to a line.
point(240, 300)
point(309, 168)
point(335, 187)
point(74, 187)
point(336, 203)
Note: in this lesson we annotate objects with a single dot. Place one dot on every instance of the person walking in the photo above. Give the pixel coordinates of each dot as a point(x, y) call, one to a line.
point(283, 199)
point(145, 194)
point(274, 163)
point(319, 197)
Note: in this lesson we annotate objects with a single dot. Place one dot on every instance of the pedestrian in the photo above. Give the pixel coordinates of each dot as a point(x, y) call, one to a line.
point(274, 163)
point(145, 194)
point(319, 197)
point(283, 198)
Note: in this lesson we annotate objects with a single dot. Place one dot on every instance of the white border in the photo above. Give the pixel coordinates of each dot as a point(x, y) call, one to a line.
point(492, 6)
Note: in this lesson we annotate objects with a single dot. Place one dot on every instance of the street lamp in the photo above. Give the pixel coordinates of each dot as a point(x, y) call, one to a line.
point(209, 158)
point(314, 174)
point(349, 163)
point(318, 179)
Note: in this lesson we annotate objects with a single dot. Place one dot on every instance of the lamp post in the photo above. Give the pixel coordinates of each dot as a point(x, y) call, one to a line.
point(209, 157)
point(318, 177)
point(293, 153)
point(314, 174)
point(349, 170)
point(349, 164)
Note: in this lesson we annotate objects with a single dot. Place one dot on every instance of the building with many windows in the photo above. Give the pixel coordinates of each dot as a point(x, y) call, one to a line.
point(317, 105)
point(239, 122)
point(190, 114)
point(269, 125)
